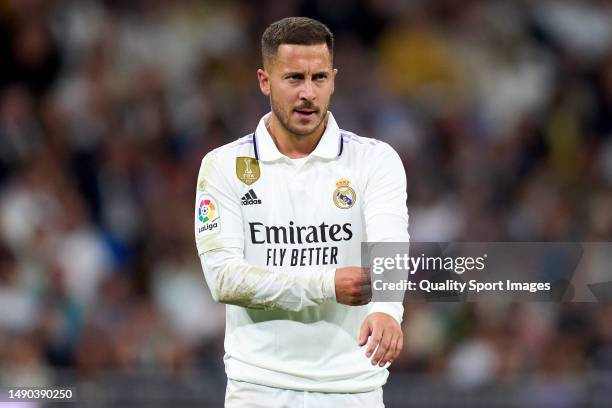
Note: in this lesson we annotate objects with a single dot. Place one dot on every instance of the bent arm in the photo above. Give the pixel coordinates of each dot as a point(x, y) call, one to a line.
point(220, 242)
point(233, 280)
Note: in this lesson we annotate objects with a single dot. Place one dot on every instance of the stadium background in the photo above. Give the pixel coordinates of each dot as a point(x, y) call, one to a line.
point(501, 111)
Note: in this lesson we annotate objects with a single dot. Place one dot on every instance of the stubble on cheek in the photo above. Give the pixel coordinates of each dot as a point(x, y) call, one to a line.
point(285, 116)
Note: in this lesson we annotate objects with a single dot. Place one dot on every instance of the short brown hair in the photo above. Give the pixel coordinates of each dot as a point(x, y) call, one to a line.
point(295, 30)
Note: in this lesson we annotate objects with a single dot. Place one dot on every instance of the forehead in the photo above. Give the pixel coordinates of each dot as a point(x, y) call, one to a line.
point(292, 57)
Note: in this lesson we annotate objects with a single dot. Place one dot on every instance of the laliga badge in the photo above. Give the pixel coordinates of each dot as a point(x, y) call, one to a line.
point(344, 196)
point(247, 170)
point(207, 216)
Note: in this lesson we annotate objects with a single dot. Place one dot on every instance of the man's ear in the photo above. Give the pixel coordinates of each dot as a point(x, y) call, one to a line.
point(334, 72)
point(264, 82)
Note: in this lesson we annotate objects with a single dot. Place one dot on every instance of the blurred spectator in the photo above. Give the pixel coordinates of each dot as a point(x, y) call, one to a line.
point(17, 302)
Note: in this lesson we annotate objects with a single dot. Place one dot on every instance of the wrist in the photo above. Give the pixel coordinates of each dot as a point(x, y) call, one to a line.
point(393, 309)
point(329, 284)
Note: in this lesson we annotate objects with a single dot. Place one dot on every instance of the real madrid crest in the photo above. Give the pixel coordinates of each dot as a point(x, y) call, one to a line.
point(344, 196)
point(247, 170)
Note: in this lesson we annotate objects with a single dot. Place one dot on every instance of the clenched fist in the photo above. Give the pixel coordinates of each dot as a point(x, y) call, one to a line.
point(353, 286)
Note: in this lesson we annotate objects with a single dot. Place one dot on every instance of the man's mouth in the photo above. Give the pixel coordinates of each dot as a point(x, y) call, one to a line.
point(305, 113)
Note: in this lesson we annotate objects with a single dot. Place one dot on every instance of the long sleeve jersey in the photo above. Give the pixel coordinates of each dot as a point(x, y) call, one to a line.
point(271, 231)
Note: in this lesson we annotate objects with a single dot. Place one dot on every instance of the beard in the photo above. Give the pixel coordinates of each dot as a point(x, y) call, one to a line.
point(284, 117)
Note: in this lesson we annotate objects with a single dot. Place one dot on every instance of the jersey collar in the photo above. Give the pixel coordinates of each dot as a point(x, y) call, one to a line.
point(329, 147)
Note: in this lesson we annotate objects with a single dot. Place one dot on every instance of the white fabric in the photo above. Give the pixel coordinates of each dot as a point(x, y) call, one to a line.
point(241, 394)
point(284, 328)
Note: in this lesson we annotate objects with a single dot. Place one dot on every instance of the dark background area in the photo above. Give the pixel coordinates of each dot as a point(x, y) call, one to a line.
point(500, 110)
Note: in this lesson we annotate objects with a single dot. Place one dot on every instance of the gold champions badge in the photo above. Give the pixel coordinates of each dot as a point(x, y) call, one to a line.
point(344, 196)
point(247, 170)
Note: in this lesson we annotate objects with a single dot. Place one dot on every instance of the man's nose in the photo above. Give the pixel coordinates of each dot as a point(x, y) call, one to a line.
point(307, 91)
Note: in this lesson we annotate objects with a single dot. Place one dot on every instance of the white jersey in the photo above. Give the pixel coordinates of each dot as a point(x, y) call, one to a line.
point(271, 231)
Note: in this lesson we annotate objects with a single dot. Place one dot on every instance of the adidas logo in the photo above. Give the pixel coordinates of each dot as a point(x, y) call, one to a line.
point(250, 198)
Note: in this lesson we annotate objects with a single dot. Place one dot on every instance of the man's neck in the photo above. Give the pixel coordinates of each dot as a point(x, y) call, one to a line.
point(292, 145)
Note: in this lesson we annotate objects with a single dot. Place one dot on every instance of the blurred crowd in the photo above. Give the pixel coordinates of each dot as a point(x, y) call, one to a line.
point(500, 110)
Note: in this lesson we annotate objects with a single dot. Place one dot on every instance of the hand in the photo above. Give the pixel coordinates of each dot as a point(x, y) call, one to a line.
point(353, 286)
point(386, 333)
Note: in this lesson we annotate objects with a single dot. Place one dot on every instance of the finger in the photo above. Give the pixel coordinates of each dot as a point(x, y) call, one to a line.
point(366, 277)
point(366, 295)
point(390, 355)
point(361, 299)
point(364, 332)
point(375, 338)
point(400, 345)
point(366, 291)
point(362, 296)
point(383, 347)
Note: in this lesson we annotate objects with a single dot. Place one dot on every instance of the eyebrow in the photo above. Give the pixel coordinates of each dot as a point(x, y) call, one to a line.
point(290, 74)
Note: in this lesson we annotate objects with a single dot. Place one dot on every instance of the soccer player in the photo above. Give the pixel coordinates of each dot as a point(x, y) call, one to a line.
point(280, 216)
